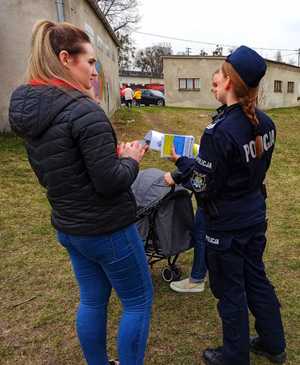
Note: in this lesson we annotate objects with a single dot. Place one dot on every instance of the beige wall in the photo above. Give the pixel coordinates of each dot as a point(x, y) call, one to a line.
point(203, 68)
point(268, 98)
point(17, 18)
point(192, 67)
point(16, 22)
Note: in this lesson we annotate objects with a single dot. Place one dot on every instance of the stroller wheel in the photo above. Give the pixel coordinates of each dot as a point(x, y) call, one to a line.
point(167, 274)
point(176, 273)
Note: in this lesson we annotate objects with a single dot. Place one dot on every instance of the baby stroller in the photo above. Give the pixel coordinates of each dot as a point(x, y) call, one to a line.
point(165, 220)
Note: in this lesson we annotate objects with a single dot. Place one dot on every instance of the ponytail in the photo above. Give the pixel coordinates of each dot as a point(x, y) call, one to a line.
point(248, 100)
point(48, 40)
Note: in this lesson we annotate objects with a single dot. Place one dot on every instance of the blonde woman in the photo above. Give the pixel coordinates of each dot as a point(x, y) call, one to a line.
point(72, 149)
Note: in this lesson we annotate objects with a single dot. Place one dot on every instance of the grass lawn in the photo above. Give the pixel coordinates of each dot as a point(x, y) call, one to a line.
point(38, 294)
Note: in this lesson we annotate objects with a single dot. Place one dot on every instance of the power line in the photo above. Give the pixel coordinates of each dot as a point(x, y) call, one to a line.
point(210, 43)
point(291, 54)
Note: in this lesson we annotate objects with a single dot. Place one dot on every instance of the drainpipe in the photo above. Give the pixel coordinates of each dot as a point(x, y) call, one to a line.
point(60, 10)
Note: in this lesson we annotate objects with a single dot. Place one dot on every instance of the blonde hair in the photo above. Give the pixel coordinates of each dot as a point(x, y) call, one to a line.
point(248, 99)
point(48, 40)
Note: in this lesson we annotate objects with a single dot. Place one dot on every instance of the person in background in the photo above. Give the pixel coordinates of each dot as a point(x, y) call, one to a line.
point(228, 180)
point(137, 97)
point(128, 96)
point(72, 148)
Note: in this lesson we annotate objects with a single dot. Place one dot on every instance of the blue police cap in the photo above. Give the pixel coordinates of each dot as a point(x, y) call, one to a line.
point(250, 66)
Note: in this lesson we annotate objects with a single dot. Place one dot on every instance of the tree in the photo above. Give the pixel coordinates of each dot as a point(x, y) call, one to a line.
point(150, 59)
point(126, 52)
point(278, 56)
point(203, 53)
point(121, 14)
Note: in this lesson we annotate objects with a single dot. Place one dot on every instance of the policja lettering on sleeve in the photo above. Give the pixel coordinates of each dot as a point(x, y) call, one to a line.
point(214, 241)
point(204, 163)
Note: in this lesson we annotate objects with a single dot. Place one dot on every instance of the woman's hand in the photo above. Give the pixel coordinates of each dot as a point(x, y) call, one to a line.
point(168, 179)
point(174, 157)
point(132, 149)
point(120, 148)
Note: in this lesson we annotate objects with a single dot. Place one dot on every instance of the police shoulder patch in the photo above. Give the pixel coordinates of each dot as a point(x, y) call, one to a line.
point(198, 182)
point(212, 126)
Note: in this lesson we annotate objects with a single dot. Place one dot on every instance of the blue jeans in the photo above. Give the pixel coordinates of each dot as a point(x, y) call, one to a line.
point(199, 266)
point(101, 262)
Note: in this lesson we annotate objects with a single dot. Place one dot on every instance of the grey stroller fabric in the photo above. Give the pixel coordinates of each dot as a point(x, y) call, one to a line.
point(173, 217)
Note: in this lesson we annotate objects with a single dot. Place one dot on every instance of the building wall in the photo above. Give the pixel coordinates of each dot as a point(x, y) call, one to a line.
point(16, 21)
point(176, 68)
point(203, 68)
point(270, 99)
point(17, 18)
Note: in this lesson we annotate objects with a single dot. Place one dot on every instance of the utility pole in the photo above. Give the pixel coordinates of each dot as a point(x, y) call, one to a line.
point(299, 57)
point(188, 49)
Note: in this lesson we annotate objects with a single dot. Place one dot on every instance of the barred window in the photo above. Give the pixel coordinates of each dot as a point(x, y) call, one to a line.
point(190, 84)
point(278, 86)
point(290, 87)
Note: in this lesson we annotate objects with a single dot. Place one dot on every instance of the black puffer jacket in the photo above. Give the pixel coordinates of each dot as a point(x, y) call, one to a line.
point(71, 147)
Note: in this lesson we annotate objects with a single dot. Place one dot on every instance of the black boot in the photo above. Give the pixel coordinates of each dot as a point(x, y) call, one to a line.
point(257, 348)
point(213, 356)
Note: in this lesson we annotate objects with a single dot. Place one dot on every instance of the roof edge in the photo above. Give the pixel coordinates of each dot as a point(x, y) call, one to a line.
point(101, 16)
point(224, 58)
point(132, 73)
point(194, 56)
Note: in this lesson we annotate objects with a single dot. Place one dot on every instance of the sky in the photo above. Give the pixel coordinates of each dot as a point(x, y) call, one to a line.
point(256, 23)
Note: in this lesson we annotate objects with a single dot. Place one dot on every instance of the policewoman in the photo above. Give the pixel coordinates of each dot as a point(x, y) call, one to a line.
point(227, 177)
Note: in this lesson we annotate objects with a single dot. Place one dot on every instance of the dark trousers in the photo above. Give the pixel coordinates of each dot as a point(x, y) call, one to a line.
point(238, 279)
point(128, 103)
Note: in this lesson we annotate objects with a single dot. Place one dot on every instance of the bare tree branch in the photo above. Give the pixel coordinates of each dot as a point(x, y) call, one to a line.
point(120, 13)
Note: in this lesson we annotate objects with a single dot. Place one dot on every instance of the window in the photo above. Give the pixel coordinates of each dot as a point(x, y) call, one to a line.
point(189, 84)
point(277, 86)
point(290, 87)
point(197, 83)
point(182, 84)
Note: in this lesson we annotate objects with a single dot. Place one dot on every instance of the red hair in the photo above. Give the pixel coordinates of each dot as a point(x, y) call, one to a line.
point(248, 99)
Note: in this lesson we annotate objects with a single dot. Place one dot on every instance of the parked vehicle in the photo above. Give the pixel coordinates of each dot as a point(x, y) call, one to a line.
point(149, 97)
point(159, 87)
point(153, 97)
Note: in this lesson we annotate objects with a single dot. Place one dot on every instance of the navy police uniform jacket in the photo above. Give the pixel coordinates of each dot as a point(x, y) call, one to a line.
point(226, 176)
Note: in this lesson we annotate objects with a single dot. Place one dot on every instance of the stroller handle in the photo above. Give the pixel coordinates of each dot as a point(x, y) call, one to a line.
point(172, 189)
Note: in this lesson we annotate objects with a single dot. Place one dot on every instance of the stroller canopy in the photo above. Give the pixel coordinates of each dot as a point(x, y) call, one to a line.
point(149, 186)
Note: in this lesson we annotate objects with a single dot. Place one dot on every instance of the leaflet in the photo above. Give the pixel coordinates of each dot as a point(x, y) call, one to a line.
point(154, 140)
point(184, 145)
